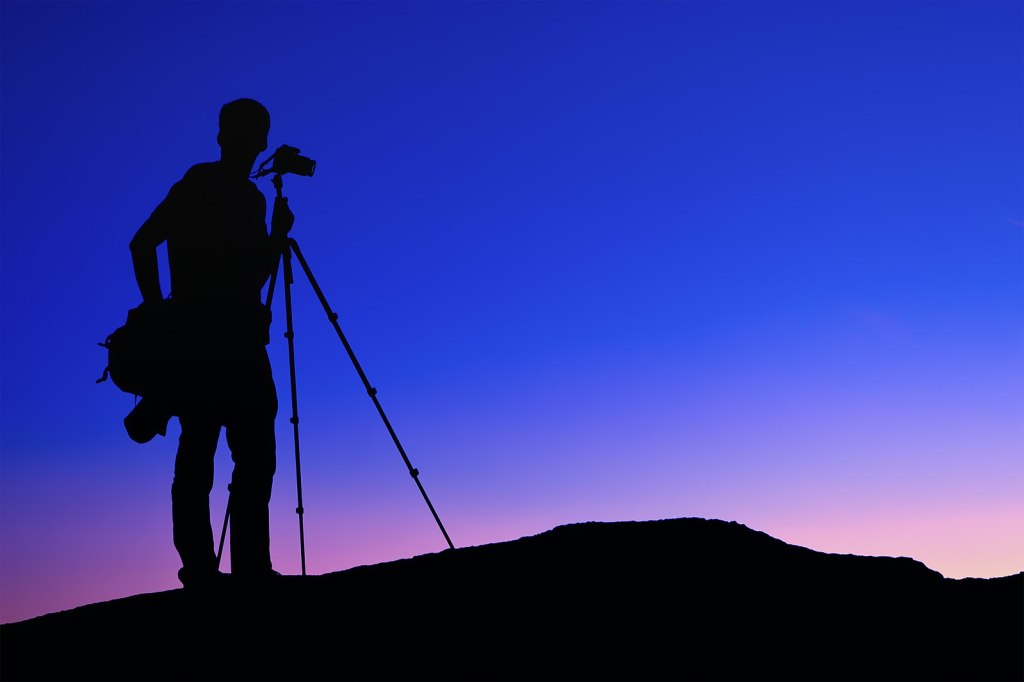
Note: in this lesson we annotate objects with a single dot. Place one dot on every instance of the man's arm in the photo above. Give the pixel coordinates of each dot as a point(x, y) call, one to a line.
point(147, 272)
point(281, 222)
point(145, 242)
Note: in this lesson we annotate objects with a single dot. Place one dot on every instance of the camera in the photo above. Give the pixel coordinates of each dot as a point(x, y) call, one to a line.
point(287, 160)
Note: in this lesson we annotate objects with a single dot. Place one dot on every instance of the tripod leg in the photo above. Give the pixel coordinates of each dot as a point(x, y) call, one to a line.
point(224, 530)
point(270, 289)
point(290, 335)
point(370, 390)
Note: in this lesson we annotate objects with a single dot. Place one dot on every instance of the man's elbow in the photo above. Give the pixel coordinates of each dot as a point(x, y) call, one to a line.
point(140, 246)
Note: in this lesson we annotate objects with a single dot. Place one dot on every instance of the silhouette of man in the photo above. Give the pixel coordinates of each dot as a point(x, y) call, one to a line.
point(219, 256)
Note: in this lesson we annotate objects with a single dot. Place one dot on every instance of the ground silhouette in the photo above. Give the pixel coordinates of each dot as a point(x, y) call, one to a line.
point(672, 599)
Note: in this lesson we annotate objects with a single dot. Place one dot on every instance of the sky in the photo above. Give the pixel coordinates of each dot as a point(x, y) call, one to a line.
point(604, 261)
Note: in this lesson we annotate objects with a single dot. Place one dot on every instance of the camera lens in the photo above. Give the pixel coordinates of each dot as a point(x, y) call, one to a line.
point(304, 166)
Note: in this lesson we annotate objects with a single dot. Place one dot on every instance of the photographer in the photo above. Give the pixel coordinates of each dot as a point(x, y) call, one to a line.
point(220, 256)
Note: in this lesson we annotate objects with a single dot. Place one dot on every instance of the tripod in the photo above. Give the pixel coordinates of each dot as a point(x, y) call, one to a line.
point(292, 247)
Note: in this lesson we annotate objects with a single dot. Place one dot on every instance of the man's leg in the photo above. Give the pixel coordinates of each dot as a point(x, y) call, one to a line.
point(250, 435)
point(190, 497)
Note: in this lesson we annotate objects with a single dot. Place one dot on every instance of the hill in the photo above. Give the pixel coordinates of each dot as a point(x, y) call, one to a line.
point(673, 599)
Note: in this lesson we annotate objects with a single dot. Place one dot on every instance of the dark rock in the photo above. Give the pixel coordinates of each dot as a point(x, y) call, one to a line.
point(674, 599)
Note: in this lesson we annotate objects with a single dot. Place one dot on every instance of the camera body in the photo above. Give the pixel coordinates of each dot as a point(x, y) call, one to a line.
point(287, 160)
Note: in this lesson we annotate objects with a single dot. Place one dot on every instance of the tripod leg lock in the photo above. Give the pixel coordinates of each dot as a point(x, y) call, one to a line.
point(372, 392)
point(414, 473)
point(299, 511)
point(332, 316)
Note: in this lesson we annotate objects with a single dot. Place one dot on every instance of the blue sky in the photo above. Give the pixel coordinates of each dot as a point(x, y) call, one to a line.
point(748, 260)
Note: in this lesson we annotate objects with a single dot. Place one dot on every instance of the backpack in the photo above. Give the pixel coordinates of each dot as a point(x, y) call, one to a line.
point(141, 353)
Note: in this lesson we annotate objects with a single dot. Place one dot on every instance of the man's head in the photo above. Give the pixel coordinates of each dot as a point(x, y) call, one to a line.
point(244, 126)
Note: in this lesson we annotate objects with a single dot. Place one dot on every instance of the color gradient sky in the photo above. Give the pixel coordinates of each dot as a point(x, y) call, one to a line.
point(756, 261)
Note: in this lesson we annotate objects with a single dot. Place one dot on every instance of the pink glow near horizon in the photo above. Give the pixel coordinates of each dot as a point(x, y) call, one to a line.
point(956, 543)
point(855, 480)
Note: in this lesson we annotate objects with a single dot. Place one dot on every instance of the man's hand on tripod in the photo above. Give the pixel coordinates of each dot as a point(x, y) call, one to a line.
point(282, 219)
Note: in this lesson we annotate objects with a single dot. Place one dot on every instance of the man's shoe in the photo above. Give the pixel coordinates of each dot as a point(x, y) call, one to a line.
point(202, 580)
